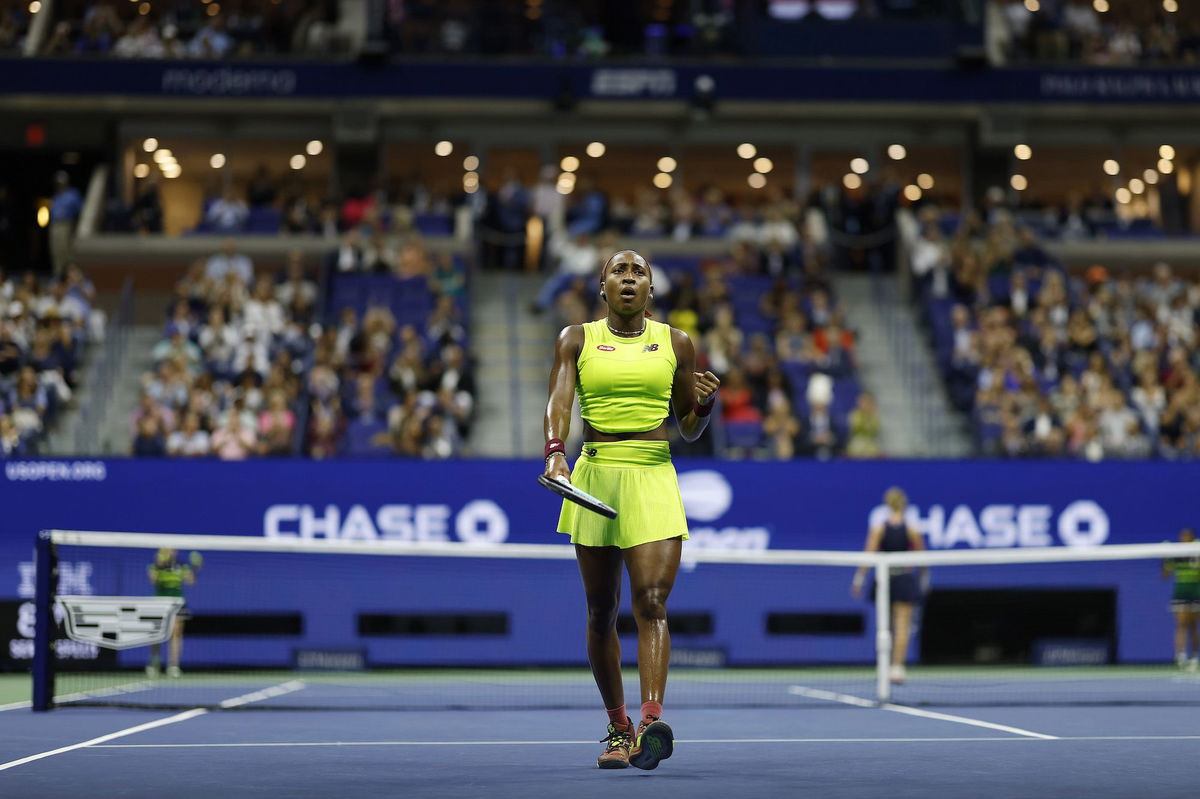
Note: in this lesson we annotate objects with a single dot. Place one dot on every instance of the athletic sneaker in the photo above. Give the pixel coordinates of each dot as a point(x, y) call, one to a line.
point(897, 674)
point(1193, 664)
point(174, 672)
point(655, 742)
point(152, 672)
point(619, 740)
point(1181, 660)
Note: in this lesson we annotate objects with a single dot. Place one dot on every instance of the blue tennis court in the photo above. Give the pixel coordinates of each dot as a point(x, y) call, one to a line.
point(830, 744)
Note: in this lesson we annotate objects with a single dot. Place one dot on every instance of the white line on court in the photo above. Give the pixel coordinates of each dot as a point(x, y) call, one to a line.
point(15, 705)
point(722, 741)
point(858, 701)
point(256, 696)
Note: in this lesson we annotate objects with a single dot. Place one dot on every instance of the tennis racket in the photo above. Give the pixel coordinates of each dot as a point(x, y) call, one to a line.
point(578, 496)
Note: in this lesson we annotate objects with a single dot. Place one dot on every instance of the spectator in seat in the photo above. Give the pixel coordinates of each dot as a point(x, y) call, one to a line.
point(276, 424)
point(864, 429)
point(441, 439)
point(11, 444)
point(349, 255)
point(211, 41)
point(737, 400)
point(229, 262)
point(228, 214)
point(149, 441)
point(233, 441)
point(781, 427)
point(190, 440)
point(296, 287)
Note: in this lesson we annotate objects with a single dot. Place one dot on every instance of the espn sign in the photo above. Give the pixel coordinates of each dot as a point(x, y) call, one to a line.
point(120, 622)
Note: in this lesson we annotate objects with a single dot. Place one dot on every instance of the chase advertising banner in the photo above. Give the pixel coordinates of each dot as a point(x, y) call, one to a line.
point(731, 506)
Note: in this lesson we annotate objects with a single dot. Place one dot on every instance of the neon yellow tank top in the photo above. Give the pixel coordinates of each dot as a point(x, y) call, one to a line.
point(624, 384)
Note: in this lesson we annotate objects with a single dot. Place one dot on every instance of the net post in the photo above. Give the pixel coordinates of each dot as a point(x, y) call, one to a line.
point(45, 584)
point(883, 631)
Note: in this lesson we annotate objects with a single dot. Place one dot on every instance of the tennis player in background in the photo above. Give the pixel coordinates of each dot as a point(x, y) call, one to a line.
point(1185, 603)
point(904, 589)
point(630, 372)
point(169, 576)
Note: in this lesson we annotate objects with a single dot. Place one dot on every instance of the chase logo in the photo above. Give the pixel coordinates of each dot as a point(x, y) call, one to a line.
point(1080, 524)
point(605, 347)
point(707, 495)
point(120, 622)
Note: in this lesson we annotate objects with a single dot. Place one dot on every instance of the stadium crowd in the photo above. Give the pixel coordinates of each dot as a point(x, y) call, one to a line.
point(251, 364)
point(1120, 33)
point(45, 330)
point(1051, 364)
point(186, 29)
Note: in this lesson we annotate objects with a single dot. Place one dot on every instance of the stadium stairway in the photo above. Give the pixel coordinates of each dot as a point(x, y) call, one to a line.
point(896, 365)
point(513, 352)
point(114, 435)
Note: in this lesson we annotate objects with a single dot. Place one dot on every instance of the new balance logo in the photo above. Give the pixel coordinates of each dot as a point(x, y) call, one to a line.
point(650, 348)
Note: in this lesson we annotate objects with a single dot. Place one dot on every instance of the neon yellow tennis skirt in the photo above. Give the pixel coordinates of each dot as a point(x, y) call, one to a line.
point(638, 479)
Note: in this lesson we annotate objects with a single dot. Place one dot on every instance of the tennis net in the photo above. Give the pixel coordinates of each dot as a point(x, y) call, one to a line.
point(375, 625)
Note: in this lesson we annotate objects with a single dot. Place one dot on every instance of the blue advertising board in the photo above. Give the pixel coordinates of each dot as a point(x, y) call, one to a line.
point(731, 506)
point(627, 81)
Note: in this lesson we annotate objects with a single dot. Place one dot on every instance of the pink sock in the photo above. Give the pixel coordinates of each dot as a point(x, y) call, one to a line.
point(618, 715)
point(652, 709)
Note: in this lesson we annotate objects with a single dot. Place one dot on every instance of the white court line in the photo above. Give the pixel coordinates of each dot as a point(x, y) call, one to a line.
point(858, 701)
point(256, 696)
point(722, 741)
point(15, 705)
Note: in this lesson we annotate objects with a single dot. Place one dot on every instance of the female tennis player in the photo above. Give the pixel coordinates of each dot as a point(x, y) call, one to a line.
point(1185, 603)
point(629, 372)
point(894, 535)
point(169, 576)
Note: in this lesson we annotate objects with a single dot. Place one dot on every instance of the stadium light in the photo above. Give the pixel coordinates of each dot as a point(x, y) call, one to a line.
point(1023, 152)
point(763, 165)
point(757, 180)
point(1111, 167)
point(443, 148)
point(747, 151)
point(667, 164)
point(912, 192)
point(298, 161)
point(569, 164)
point(217, 161)
point(314, 147)
point(471, 163)
point(1167, 152)
point(851, 180)
point(1150, 176)
point(1019, 182)
point(596, 149)
point(150, 145)
point(1165, 166)
point(925, 181)
point(897, 152)
point(141, 170)
point(662, 180)
point(1137, 186)
point(1123, 196)
point(859, 166)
